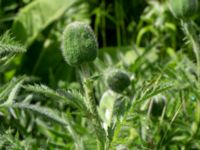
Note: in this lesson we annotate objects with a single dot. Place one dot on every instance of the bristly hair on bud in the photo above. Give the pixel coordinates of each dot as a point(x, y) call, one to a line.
point(79, 44)
point(117, 80)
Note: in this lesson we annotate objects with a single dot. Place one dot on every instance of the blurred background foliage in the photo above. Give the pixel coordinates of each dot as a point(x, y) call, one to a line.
point(140, 36)
point(39, 25)
point(120, 26)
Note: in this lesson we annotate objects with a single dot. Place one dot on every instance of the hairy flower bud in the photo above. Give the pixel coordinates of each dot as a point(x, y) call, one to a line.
point(118, 80)
point(79, 44)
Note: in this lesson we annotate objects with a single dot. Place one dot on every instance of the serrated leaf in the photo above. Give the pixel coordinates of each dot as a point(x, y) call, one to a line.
point(43, 89)
point(14, 92)
point(43, 111)
point(9, 46)
point(71, 97)
point(10, 90)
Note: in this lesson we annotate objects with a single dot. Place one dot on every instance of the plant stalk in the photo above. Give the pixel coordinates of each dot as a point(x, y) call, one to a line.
point(91, 105)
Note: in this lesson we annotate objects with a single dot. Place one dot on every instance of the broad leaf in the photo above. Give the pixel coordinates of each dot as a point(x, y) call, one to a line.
point(36, 16)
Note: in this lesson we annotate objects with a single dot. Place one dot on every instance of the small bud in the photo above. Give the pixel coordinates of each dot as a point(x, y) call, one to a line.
point(158, 104)
point(118, 80)
point(79, 44)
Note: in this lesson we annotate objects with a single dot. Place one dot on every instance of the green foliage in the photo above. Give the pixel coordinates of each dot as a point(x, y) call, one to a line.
point(8, 48)
point(45, 112)
point(44, 12)
point(10, 142)
point(184, 8)
point(46, 104)
point(9, 45)
point(70, 97)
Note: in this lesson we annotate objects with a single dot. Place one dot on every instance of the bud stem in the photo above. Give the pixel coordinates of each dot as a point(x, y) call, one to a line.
point(91, 105)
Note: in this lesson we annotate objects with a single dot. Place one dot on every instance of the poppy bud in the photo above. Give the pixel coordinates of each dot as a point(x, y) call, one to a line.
point(79, 44)
point(118, 80)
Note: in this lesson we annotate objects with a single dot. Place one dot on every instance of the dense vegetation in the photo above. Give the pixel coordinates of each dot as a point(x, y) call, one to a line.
point(99, 74)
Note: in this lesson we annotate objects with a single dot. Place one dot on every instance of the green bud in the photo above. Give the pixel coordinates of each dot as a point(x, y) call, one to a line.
point(183, 8)
point(79, 44)
point(118, 80)
point(158, 104)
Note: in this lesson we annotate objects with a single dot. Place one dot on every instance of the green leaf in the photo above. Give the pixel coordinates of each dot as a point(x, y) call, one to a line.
point(10, 90)
point(71, 97)
point(9, 46)
point(43, 111)
point(36, 16)
point(14, 92)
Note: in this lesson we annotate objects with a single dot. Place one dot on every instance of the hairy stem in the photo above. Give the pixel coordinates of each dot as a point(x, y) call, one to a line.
point(91, 105)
